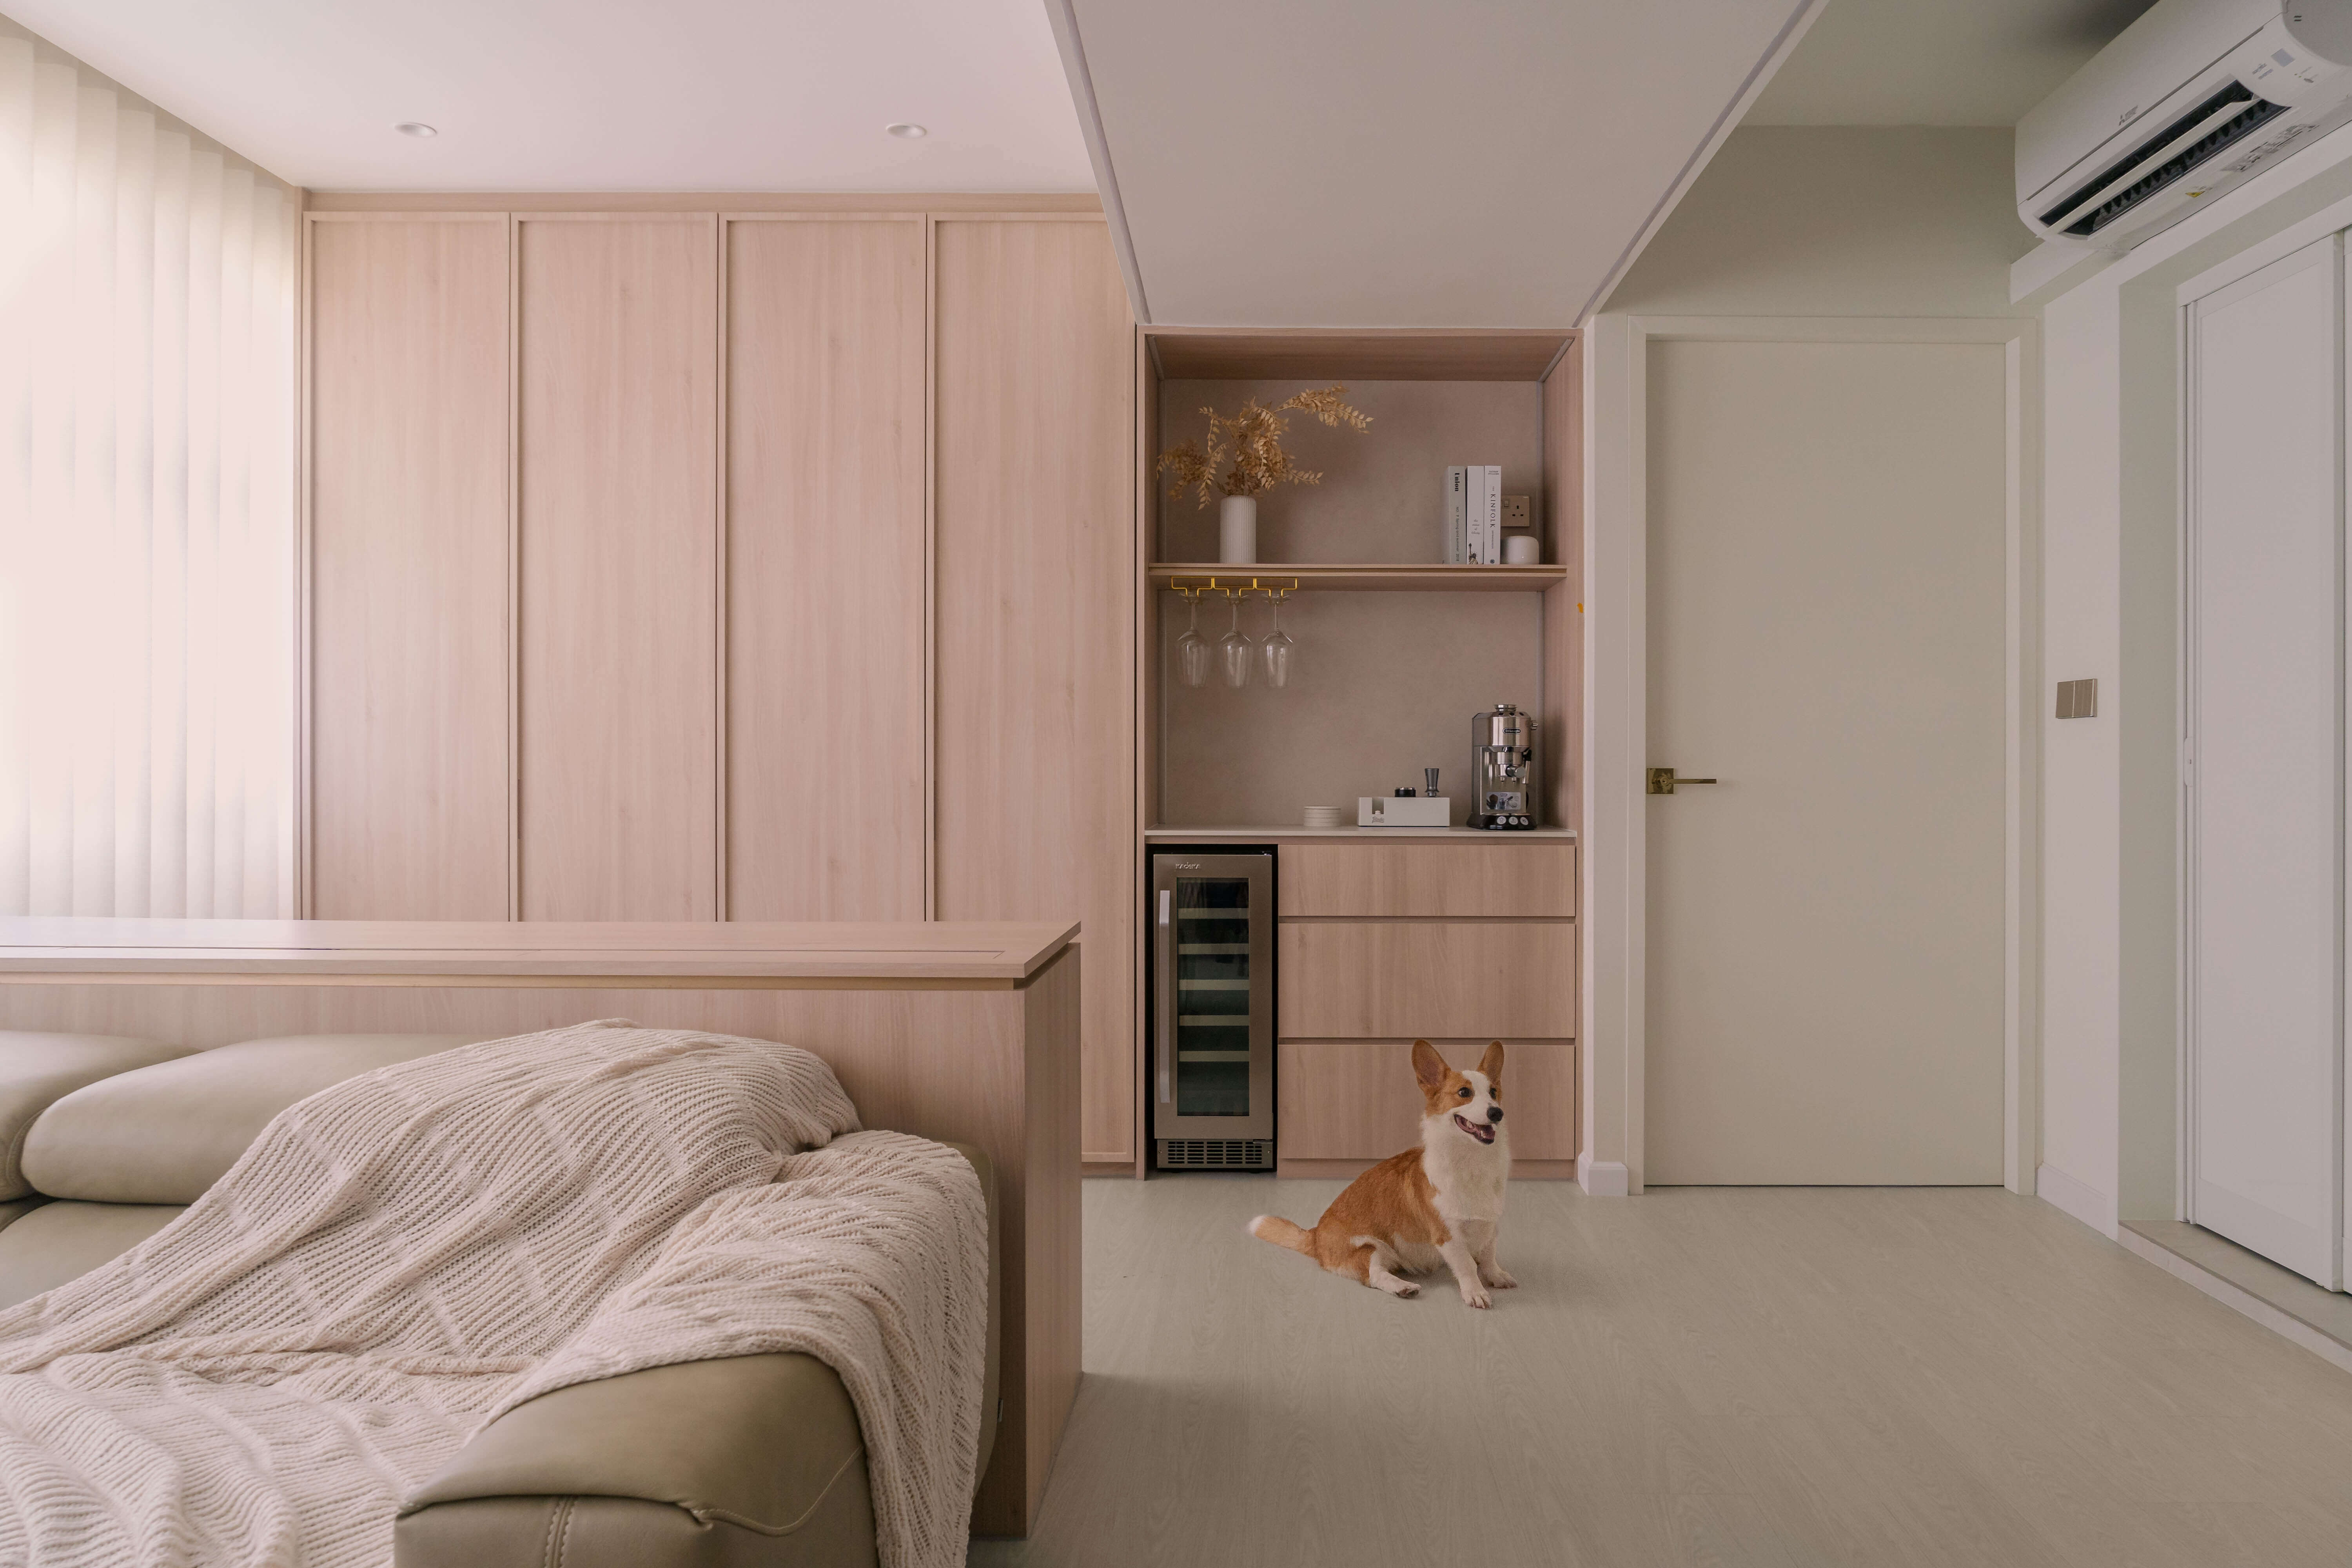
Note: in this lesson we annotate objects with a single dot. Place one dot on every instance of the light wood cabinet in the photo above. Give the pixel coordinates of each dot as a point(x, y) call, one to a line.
point(1036, 569)
point(619, 617)
point(824, 561)
point(1456, 978)
point(1356, 1099)
point(1507, 878)
point(407, 530)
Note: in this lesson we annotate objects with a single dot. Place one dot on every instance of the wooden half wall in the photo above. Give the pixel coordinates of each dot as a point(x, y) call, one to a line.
point(963, 1032)
point(724, 558)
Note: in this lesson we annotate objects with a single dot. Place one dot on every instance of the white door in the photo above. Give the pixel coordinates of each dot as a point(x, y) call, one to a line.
point(1827, 623)
point(2264, 793)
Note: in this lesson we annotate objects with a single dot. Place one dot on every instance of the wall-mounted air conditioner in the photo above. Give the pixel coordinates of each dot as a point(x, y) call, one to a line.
point(2194, 97)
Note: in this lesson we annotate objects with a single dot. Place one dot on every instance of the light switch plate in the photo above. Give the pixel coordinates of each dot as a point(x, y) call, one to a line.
point(2078, 698)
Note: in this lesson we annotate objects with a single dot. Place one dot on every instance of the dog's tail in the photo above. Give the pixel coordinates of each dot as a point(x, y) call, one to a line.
point(1273, 1228)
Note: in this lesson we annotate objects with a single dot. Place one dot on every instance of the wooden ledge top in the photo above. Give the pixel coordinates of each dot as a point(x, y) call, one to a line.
point(746, 950)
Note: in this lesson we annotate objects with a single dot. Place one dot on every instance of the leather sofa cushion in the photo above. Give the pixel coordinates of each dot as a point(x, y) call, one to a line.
point(164, 1133)
point(58, 1242)
point(37, 1069)
point(750, 1461)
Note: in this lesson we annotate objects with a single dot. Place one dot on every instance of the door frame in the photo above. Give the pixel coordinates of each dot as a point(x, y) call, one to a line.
point(1613, 863)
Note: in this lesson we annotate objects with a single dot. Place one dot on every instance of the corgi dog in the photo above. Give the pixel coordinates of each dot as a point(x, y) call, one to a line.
point(1441, 1203)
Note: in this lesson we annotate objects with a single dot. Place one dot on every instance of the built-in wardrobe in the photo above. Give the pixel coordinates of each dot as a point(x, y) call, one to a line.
point(2264, 759)
point(671, 564)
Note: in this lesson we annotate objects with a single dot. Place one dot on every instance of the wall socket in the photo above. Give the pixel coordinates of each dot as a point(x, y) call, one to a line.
point(1518, 512)
point(2078, 698)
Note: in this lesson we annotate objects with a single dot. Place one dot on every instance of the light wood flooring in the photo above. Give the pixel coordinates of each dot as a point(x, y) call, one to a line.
point(1793, 1377)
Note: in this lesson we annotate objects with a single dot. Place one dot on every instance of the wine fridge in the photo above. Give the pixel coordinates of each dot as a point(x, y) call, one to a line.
point(1212, 1065)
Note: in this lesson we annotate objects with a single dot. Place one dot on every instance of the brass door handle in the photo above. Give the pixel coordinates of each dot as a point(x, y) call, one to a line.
point(1663, 781)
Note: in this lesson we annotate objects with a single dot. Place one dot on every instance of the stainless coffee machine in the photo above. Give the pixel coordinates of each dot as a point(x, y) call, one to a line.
point(1503, 768)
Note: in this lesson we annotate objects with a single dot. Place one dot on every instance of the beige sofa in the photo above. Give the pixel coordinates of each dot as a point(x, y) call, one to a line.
point(753, 1462)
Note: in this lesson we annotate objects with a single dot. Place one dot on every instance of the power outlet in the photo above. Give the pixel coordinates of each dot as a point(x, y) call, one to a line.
point(1518, 512)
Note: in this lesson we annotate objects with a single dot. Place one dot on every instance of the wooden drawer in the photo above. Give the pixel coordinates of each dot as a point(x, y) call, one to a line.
point(1533, 878)
point(1356, 1099)
point(1444, 980)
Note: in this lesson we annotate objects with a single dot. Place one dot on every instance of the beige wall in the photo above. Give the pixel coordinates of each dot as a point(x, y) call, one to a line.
point(1803, 220)
point(1833, 222)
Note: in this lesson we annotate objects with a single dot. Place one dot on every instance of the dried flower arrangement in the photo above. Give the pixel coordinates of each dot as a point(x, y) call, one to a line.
point(1253, 441)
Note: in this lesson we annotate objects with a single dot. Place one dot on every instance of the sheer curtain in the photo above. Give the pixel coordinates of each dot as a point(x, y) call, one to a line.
point(147, 308)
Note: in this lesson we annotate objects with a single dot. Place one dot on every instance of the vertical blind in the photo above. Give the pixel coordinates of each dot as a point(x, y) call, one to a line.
point(147, 309)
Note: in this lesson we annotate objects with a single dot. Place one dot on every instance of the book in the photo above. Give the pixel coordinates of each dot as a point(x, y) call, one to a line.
point(1475, 554)
point(1457, 515)
point(1493, 517)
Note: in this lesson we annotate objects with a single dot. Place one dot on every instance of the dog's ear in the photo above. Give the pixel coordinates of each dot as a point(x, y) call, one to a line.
point(1427, 1065)
point(1491, 1064)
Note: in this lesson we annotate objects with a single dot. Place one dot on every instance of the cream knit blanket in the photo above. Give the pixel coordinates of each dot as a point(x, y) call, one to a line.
point(400, 1257)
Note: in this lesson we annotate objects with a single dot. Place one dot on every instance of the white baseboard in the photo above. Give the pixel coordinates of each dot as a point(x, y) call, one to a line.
point(2239, 1300)
point(1602, 1178)
point(2078, 1198)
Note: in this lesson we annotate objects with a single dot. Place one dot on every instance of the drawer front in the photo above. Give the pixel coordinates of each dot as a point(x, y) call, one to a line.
point(1356, 1099)
point(1506, 878)
point(1387, 979)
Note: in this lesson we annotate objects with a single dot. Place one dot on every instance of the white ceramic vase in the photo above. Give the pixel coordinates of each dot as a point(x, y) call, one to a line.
point(1237, 531)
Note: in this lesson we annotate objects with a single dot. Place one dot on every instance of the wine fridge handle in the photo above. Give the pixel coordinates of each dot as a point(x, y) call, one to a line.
point(1167, 981)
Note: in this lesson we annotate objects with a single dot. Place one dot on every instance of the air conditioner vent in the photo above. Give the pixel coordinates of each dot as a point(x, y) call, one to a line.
point(1217, 1153)
point(2219, 122)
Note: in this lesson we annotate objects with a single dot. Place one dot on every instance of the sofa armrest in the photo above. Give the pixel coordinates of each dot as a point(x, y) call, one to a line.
point(748, 1461)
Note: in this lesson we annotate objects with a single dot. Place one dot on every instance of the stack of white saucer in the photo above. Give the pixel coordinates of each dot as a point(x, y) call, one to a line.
point(1324, 816)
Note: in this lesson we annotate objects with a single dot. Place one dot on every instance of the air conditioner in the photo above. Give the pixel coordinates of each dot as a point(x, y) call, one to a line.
point(2189, 99)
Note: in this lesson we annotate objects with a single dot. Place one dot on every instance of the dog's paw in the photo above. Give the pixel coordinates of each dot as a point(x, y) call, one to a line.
point(1497, 1279)
point(1408, 1292)
point(1476, 1295)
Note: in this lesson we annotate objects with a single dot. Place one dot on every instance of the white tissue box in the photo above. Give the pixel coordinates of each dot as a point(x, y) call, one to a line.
point(1402, 811)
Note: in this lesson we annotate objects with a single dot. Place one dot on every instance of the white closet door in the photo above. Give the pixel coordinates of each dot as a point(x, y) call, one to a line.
point(2266, 737)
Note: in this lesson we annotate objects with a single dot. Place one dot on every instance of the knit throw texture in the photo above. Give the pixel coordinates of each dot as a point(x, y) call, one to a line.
point(402, 1257)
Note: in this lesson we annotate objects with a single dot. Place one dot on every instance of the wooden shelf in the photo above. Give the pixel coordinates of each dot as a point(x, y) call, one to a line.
point(1378, 576)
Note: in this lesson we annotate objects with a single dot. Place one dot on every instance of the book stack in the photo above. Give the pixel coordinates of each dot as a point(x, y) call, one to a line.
point(1474, 515)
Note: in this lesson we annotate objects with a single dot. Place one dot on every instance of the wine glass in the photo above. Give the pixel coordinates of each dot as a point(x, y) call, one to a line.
point(1276, 647)
point(1238, 651)
point(1192, 648)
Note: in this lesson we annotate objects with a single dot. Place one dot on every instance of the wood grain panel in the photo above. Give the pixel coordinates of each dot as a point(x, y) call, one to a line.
point(1502, 877)
point(1411, 353)
point(1035, 558)
point(825, 570)
point(408, 569)
point(1562, 746)
point(1356, 1099)
point(1452, 980)
point(1053, 1306)
point(618, 361)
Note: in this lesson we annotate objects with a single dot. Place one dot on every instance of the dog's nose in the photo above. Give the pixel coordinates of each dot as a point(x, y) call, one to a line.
point(1494, 1113)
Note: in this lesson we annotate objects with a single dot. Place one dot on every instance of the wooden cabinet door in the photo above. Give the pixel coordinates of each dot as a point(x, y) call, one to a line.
point(1443, 979)
point(1356, 1099)
point(824, 569)
point(1033, 513)
point(619, 573)
point(408, 432)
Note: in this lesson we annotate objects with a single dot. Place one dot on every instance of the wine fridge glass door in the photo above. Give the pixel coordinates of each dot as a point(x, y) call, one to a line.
point(1212, 1062)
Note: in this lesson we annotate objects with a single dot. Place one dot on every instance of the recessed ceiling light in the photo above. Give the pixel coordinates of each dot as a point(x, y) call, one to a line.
point(908, 132)
point(415, 128)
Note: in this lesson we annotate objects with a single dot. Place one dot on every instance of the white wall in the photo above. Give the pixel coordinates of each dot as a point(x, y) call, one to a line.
point(2110, 784)
point(1805, 221)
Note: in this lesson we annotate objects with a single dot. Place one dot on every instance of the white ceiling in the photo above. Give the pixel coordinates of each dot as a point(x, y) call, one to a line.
point(1339, 162)
point(1936, 62)
point(605, 94)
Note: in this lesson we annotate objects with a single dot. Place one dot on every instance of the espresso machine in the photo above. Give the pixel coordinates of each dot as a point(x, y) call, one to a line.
point(1503, 769)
